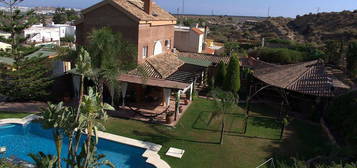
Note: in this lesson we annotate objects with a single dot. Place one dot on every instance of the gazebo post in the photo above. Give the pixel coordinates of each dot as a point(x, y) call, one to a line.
point(124, 87)
point(191, 91)
point(177, 103)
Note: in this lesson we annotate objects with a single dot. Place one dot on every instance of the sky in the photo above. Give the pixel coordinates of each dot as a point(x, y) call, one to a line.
point(286, 8)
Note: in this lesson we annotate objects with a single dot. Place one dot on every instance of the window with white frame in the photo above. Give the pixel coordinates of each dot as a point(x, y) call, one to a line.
point(145, 51)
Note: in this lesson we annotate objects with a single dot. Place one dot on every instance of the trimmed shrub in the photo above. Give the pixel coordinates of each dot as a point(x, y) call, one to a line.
point(278, 55)
point(232, 81)
point(352, 59)
point(342, 118)
point(220, 75)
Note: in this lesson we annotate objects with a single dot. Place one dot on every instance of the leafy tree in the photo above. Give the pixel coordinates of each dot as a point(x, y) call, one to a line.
point(333, 51)
point(30, 81)
point(60, 16)
point(15, 22)
point(352, 59)
point(221, 75)
point(232, 80)
point(279, 55)
point(224, 102)
point(71, 15)
point(231, 47)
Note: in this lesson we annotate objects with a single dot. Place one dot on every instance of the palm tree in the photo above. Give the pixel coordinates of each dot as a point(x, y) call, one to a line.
point(54, 117)
point(44, 161)
point(224, 102)
point(110, 54)
point(92, 112)
point(84, 68)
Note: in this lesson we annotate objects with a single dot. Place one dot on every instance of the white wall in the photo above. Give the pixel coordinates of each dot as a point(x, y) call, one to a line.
point(4, 46)
point(66, 30)
point(189, 41)
point(40, 34)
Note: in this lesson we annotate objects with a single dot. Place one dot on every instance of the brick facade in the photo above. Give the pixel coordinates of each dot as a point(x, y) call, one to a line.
point(139, 34)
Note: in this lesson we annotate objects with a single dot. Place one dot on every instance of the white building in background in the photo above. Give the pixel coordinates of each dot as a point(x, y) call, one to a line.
point(189, 39)
point(40, 34)
point(51, 34)
point(4, 46)
point(4, 34)
point(66, 30)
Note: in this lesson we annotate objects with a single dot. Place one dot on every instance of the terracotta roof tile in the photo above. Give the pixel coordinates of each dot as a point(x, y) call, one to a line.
point(197, 30)
point(160, 66)
point(152, 82)
point(306, 78)
point(136, 8)
point(165, 64)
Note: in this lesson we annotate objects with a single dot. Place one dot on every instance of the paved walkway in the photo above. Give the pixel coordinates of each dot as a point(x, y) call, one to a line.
point(32, 107)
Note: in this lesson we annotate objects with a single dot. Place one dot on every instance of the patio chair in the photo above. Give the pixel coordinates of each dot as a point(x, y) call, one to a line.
point(175, 152)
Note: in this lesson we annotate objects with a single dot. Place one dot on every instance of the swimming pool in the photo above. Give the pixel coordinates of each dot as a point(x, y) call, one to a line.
point(20, 140)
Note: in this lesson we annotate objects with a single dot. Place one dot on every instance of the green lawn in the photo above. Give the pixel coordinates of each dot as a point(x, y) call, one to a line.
point(4, 115)
point(200, 140)
point(243, 151)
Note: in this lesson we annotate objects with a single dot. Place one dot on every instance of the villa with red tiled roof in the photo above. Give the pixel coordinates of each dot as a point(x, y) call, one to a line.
point(149, 91)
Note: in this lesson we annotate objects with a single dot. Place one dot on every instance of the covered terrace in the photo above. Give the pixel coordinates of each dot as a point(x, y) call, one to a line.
point(154, 100)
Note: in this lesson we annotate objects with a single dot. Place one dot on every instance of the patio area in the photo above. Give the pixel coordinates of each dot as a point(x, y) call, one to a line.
point(153, 112)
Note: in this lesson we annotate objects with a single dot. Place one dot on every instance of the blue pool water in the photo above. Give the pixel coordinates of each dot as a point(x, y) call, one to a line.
point(32, 138)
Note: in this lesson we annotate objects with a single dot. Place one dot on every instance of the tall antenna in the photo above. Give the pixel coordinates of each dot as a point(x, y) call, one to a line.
point(268, 11)
point(183, 6)
point(318, 10)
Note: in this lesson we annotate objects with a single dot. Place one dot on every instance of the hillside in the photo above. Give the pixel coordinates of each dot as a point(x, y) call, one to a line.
point(310, 27)
point(325, 26)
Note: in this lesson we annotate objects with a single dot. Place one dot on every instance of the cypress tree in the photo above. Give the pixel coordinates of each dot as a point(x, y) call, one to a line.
point(221, 75)
point(352, 59)
point(232, 80)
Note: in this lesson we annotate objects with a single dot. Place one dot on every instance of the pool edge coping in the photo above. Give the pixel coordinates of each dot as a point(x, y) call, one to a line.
point(151, 152)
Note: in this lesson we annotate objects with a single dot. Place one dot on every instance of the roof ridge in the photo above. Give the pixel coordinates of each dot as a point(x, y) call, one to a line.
point(153, 67)
point(301, 75)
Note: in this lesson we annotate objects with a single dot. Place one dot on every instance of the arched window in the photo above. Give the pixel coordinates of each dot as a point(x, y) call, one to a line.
point(157, 48)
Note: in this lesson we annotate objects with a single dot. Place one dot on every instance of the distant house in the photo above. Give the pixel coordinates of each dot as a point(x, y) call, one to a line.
point(66, 30)
point(4, 46)
point(4, 34)
point(189, 39)
point(213, 47)
point(40, 34)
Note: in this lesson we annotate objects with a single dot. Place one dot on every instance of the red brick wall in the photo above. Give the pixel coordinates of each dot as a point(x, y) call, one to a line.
point(139, 35)
point(148, 35)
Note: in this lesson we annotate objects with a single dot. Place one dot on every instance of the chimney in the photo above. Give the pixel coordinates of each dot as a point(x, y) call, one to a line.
point(148, 6)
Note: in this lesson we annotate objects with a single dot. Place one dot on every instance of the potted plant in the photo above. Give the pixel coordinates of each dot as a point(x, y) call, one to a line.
point(186, 101)
point(180, 109)
point(66, 97)
point(170, 117)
